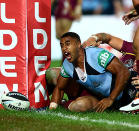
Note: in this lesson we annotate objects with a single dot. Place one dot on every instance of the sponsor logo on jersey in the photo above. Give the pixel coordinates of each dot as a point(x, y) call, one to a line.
point(63, 72)
point(96, 84)
point(103, 58)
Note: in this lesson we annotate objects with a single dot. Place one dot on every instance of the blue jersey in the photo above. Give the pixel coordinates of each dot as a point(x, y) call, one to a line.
point(97, 78)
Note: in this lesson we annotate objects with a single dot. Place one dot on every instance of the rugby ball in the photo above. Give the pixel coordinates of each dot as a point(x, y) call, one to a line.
point(15, 101)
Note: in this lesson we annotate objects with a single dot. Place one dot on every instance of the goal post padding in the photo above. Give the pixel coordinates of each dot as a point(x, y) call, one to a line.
point(25, 48)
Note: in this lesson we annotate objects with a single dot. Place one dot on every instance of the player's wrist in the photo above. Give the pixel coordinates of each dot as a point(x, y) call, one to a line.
point(53, 105)
point(133, 12)
point(95, 37)
point(111, 98)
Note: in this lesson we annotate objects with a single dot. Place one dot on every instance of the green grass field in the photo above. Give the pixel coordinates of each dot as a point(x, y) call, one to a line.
point(56, 63)
point(64, 120)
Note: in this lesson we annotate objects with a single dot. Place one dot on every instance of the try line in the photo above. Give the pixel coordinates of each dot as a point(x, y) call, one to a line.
point(72, 117)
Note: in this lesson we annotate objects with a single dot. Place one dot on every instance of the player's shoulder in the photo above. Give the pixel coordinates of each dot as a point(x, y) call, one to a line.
point(93, 48)
point(100, 55)
point(93, 51)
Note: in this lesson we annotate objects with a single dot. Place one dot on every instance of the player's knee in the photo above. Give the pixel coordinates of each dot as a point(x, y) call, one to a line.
point(51, 76)
point(77, 106)
point(84, 103)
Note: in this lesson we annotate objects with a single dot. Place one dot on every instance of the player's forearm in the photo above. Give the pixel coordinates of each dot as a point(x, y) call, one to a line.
point(136, 5)
point(104, 37)
point(121, 79)
point(113, 41)
point(56, 98)
point(122, 74)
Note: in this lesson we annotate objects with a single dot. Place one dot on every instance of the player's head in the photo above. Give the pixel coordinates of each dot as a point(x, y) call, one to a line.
point(73, 35)
point(70, 44)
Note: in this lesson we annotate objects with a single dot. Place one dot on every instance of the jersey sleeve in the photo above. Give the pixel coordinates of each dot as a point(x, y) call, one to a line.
point(127, 47)
point(104, 58)
point(63, 72)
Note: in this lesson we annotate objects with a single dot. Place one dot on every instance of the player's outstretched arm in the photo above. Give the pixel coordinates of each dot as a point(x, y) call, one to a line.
point(122, 75)
point(56, 95)
point(103, 38)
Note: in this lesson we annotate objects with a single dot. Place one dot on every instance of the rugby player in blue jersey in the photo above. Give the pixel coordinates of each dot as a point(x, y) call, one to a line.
point(96, 69)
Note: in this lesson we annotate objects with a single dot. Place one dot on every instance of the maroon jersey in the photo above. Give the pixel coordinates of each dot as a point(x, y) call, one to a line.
point(64, 9)
point(128, 57)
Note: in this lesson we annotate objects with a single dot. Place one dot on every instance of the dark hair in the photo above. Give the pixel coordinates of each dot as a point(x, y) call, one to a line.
point(72, 34)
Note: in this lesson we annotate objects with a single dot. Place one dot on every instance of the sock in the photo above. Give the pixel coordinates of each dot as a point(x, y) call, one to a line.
point(137, 65)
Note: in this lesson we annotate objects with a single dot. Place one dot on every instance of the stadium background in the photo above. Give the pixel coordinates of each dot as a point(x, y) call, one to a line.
point(62, 119)
point(91, 24)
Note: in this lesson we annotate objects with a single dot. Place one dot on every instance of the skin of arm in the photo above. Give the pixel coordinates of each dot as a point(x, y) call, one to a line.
point(113, 41)
point(132, 15)
point(136, 5)
point(58, 91)
point(122, 75)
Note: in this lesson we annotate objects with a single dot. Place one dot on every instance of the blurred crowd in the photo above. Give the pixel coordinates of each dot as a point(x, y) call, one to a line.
point(67, 11)
point(106, 7)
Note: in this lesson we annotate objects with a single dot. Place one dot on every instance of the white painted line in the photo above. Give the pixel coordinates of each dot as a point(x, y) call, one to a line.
point(72, 117)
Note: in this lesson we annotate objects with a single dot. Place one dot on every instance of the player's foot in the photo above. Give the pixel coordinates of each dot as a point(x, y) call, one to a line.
point(133, 107)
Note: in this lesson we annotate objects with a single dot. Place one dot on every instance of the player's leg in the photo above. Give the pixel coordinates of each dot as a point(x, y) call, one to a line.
point(128, 98)
point(62, 26)
point(136, 48)
point(82, 104)
point(51, 78)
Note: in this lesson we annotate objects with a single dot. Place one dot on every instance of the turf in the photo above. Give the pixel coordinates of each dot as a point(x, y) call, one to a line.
point(63, 120)
point(56, 63)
